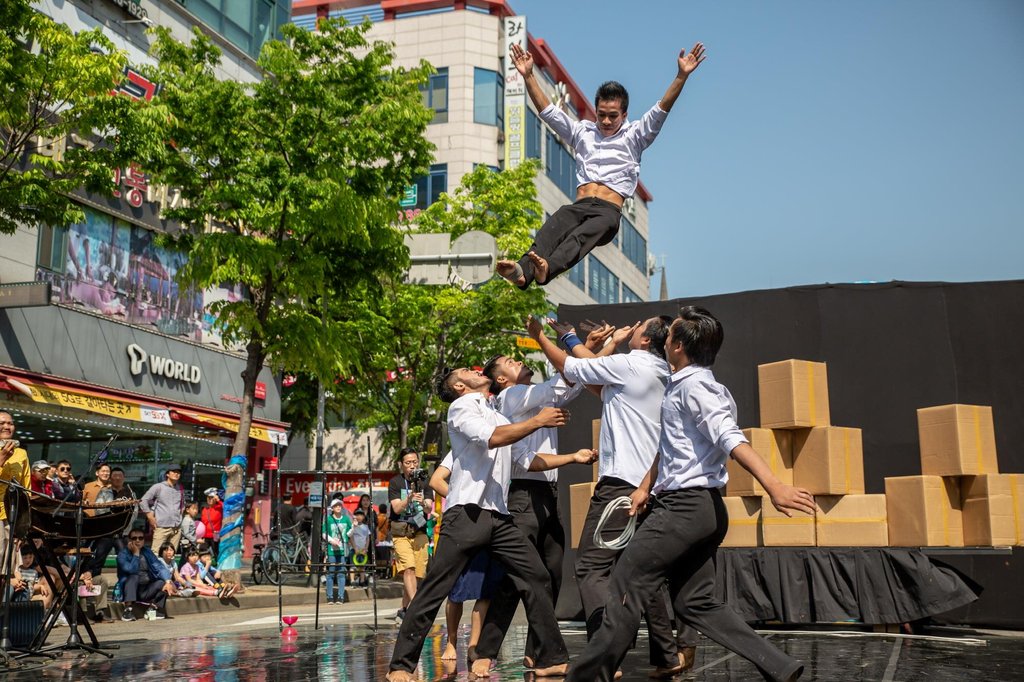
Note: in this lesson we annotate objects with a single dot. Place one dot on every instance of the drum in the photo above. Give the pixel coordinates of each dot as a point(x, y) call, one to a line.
point(31, 512)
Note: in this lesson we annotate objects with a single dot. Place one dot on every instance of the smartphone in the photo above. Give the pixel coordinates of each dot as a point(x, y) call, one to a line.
point(3, 443)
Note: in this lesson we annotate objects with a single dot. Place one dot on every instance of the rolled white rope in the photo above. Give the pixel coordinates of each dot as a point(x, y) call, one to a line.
point(627, 533)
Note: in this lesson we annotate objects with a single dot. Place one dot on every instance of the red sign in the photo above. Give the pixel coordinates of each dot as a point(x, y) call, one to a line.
point(261, 390)
point(270, 463)
point(299, 483)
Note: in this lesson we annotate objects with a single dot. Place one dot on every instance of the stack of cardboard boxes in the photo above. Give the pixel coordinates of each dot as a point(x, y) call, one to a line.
point(803, 448)
point(960, 499)
point(580, 493)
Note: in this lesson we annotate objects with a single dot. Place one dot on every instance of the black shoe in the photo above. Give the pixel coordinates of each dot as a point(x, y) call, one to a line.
point(400, 616)
point(128, 616)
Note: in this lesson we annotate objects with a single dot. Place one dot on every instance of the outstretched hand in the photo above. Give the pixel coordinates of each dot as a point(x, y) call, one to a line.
point(624, 333)
point(788, 499)
point(688, 63)
point(522, 59)
point(561, 328)
point(534, 327)
point(552, 416)
point(597, 337)
point(585, 456)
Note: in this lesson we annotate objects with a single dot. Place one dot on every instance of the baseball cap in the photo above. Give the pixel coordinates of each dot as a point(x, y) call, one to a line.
point(212, 492)
point(174, 467)
point(40, 464)
point(337, 503)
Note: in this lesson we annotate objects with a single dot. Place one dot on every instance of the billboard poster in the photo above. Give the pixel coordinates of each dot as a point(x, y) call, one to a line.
point(515, 94)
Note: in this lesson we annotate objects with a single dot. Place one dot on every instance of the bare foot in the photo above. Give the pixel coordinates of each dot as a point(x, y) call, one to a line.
point(552, 671)
point(540, 268)
point(399, 676)
point(481, 667)
point(449, 652)
point(512, 271)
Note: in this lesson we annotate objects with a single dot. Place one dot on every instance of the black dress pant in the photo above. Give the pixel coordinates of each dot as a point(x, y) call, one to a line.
point(571, 233)
point(467, 529)
point(534, 509)
point(147, 593)
point(677, 541)
point(594, 568)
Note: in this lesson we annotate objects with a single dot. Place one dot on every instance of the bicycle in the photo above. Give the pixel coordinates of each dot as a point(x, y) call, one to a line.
point(258, 570)
point(285, 555)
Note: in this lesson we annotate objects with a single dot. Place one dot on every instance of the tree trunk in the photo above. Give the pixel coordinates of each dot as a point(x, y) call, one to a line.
point(230, 556)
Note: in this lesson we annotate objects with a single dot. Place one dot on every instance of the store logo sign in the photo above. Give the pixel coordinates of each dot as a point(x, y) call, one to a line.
point(161, 367)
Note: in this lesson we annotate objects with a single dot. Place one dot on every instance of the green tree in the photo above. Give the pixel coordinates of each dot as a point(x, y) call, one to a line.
point(291, 186)
point(54, 83)
point(407, 333)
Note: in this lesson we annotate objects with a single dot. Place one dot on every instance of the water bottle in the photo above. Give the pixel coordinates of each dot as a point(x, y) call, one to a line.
point(117, 592)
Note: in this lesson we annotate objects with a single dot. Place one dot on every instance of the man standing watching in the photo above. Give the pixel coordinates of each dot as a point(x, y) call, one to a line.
point(41, 477)
point(14, 467)
point(64, 487)
point(411, 503)
point(99, 492)
point(162, 504)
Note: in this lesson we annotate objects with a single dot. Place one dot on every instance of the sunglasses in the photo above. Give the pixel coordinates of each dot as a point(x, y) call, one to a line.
point(137, 537)
point(63, 468)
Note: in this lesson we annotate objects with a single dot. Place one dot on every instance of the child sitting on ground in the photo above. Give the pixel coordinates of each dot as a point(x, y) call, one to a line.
point(175, 585)
point(189, 572)
point(209, 574)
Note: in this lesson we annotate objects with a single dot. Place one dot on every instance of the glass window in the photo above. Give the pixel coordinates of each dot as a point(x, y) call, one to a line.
point(435, 95)
point(560, 165)
point(634, 246)
point(577, 275)
point(430, 186)
point(488, 97)
point(52, 248)
point(629, 296)
point(248, 25)
point(604, 286)
point(532, 134)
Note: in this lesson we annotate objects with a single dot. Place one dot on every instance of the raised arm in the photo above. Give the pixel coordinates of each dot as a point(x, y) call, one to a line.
point(687, 64)
point(510, 433)
point(524, 65)
point(543, 461)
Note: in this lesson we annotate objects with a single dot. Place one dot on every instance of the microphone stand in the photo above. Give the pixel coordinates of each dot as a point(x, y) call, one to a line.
point(75, 639)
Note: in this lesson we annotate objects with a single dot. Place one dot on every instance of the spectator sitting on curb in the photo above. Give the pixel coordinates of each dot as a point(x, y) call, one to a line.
point(139, 577)
point(93, 590)
point(190, 575)
point(209, 574)
point(175, 585)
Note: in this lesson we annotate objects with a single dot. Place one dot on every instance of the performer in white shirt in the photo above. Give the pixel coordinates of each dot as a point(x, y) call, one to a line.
point(607, 169)
point(632, 386)
point(680, 537)
point(532, 495)
point(477, 517)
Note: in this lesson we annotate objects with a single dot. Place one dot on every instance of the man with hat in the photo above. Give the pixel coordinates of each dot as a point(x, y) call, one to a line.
point(162, 504)
point(41, 477)
point(336, 529)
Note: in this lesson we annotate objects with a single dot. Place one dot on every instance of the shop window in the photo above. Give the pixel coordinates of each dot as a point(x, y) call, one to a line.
point(533, 130)
point(560, 165)
point(634, 246)
point(435, 95)
point(578, 275)
point(488, 97)
point(430, 186)
point(604, 286)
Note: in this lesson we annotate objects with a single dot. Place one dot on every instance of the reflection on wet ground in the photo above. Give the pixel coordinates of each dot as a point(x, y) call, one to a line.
point(356, 653)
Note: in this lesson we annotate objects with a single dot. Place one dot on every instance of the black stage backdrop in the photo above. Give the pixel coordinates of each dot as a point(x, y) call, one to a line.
point(890, 349)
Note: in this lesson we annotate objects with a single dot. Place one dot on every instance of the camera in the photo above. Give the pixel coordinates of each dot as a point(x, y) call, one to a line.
point(418, 476)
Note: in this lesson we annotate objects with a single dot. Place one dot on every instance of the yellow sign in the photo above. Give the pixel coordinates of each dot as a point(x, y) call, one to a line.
point(257, 432)
point(108, 406)
point(527, 342)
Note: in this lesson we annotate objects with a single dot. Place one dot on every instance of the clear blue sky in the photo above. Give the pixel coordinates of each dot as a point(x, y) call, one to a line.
point(821, 141)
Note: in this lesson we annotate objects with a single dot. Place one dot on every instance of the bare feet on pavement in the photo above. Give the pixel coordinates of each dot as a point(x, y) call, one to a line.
point(511, 271)
point(399, 676)
point(450, 654)
point(552, 671)
point(481, 667)
point(540, 268)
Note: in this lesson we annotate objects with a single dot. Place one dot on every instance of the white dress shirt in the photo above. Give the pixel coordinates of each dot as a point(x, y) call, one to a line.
point(634, 385)
point(523, 401)
point(480, 474)
point(698, 431)
point(613, 161)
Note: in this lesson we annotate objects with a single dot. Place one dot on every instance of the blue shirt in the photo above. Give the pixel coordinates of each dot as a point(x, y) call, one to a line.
point(612, 161)
point(698, 431)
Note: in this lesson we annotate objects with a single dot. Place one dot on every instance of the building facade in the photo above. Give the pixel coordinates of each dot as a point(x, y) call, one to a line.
point(119, 350)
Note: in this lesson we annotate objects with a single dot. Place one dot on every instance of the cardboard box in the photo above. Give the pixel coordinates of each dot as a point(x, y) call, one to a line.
point(744, 522)
point(579, 504)
point(779, 530)
point(829, 460)
point(1017, 493)
point(957, 440)
point(776, 448)
point(851, 521)
point(988, 510)
point(595, 439)
point(793, 394)
point(924, 511)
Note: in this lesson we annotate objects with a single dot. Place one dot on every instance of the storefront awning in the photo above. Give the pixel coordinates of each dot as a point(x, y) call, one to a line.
point(266, 435)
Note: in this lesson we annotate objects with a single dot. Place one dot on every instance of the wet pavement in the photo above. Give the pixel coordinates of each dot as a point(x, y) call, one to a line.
point(354, 652)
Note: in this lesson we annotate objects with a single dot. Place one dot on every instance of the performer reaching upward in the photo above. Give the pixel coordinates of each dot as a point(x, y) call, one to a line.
point(607, 169)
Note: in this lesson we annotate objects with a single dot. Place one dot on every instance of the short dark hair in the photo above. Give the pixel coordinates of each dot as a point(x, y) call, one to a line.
point(113, 469)
point(100, 465)
point(701, 334)
point(657, 331)
point(611, 90)
point(407, 451)
point(444, 386)
point(63, 461)
point(164, 547)
point(491, 372)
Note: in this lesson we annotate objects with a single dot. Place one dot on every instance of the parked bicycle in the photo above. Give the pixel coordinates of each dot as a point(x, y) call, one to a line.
point(258, 570)
point(290, 554)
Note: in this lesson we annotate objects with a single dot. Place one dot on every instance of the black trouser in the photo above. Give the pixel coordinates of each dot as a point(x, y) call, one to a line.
point(466, 529)
point(101, 549)
point(571, 233)
point(148, 593)
point(594, 567)
point(534, 509)
point(677, 541)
